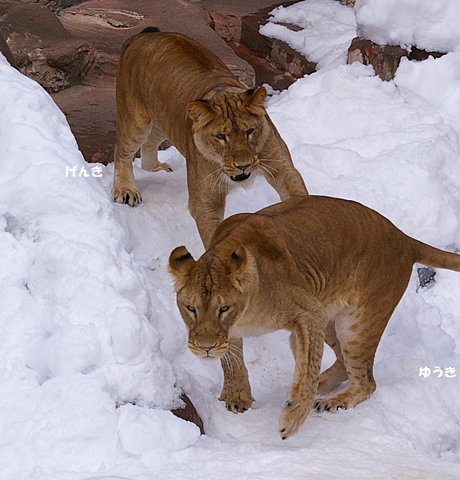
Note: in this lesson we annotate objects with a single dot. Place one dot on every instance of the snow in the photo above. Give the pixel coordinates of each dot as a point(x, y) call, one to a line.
point(426, 24)
point(327, 28)
point(93, 350)
point(323, 29)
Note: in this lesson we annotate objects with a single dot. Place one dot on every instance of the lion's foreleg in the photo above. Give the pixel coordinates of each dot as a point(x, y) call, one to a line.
point(278, 169)
point(131, 135)
point(307, 343)
point(284, 178)
point(207, 205)
point(236, 392)
point(124, 188)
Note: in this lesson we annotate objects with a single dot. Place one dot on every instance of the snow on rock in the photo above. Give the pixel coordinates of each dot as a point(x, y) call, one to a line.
point(142, 430)
point(326, 29)
point(426, 24)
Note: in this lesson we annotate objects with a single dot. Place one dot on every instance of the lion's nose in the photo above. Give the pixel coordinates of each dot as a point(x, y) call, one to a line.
point(207, 348)
point(243, 167)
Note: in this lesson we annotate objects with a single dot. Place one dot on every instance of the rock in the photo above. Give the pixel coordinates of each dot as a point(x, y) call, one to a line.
point(384, 58)
point(5, 50)
point(277, 53)
point(109, 23)
point(43, 49)
point(91, 113)
point(426, 277)
point(189, 413)
point(59, 66)
point(274, 62)
point(53, 5)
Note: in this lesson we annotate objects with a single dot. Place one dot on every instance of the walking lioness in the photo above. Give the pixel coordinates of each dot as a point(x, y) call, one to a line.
point(325, 269)
point(170, 87)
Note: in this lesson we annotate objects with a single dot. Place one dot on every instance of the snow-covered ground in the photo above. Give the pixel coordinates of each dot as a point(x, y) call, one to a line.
point(93, 350)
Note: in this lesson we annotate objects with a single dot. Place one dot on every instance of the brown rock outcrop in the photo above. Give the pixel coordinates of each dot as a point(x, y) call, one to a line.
point(189, 413)
point(43, 49)
point(384, 58)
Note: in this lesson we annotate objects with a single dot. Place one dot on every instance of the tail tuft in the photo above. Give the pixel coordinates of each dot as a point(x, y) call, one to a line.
point(150, 30)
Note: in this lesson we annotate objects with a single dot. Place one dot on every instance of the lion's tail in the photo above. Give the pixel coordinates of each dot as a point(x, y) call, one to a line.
point(436, 258)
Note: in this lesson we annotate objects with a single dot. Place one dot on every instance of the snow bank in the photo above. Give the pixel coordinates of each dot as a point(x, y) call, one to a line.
point(76, 340)
point(426, 24)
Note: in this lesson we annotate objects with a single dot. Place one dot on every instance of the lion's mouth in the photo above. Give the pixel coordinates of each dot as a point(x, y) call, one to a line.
point(241, 177)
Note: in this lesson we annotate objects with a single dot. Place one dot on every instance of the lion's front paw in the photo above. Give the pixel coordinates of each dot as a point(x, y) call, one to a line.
point(237, 400)
point(128, 196)
point(291, 419)
point(329, 405)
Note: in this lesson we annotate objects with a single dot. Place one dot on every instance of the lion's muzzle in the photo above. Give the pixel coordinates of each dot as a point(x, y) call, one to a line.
point(241, 177)
point(245, 170)
point(208, 349)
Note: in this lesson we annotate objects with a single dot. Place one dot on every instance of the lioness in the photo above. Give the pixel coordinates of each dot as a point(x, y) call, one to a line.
point(323, 268)
point(169, 86)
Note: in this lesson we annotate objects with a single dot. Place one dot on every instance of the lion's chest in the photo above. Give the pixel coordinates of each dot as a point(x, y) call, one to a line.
point(248, 326)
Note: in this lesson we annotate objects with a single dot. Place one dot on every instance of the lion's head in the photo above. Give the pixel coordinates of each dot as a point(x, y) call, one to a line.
point(231, 129)
point(212, 295)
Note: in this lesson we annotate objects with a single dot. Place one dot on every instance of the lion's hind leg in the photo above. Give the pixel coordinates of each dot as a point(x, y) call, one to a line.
point(149, 151)
point(331, 378)
point(359, 337)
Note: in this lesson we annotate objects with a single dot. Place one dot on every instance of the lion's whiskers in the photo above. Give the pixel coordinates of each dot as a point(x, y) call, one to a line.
point(227, 363)
point(211, 174)
point(220, 182)
point(184, 347)
point(217, 182)
point(265, 172)
point(271, 160)
point(270, 167)
point(232, 351)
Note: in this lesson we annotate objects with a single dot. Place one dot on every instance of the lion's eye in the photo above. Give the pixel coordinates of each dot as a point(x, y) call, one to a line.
point(249, 131)
point(221, 136)
point(191, 309)
point(224, 309)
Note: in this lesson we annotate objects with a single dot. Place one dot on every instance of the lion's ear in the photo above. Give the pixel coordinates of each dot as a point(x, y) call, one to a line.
point(242, 269)
point(254, 97)
point(200, 111)
point(180, 265)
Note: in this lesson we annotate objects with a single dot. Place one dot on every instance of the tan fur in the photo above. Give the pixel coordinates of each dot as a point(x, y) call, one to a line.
point(326, 270)
point(169, 86)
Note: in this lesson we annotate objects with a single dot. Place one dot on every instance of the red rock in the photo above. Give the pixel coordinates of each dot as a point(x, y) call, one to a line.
point(189, 413)
point(5, 50)
point(384, 58)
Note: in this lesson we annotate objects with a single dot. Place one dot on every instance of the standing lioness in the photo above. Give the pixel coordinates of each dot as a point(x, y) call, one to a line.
point(170, 87)
point(325, 269)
